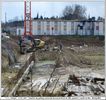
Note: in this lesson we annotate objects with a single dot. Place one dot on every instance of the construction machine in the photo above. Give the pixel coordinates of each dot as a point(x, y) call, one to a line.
point(27, 41)
point(29, 44)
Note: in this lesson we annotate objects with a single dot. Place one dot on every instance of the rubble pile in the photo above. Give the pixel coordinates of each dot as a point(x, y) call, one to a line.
point(74, 86)
point(85, 85)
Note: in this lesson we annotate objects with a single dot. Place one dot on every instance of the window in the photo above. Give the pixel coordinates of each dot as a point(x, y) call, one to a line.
point(72, 27)
point(19, 32)
point(48, 25)
point(39, 22)
point(65, 27)
point(56, 26)
point(56, 23)
point(48, 22)
point(81, 27)
point(39, 25)
point(97, 27)
point(65, 23)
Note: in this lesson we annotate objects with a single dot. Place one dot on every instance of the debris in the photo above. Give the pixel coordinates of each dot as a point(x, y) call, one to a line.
point(55, 48)
point(72, 45)
point(96, 76)
point(7, 37)
point(85, 45)
point(95, 89)
point(98, 79)
point(17, 66)
point(80, 47)
point(73, 50)
point(74, 79)
point(39, 83)
point(55, 85)
point(2, 91)
point(102, 89)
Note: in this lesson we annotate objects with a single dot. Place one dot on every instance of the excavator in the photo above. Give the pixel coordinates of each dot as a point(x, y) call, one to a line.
point(27, 41)
point(30, 44)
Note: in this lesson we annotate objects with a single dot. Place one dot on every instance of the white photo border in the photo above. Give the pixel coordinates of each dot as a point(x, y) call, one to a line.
point(54, 98)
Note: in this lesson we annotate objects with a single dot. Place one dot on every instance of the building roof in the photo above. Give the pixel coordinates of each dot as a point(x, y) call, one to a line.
point(66, 20)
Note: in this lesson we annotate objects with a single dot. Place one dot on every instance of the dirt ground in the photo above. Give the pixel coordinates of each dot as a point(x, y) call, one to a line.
point(81, 61)
point(74, 59)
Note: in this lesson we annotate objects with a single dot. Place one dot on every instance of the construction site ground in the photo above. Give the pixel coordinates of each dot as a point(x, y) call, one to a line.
point(61, 72)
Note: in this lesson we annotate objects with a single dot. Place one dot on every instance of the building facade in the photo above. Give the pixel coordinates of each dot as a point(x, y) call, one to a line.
point(65, 27)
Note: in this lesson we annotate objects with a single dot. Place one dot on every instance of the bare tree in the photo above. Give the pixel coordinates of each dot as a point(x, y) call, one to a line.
point(68, 12)
point(74, 12)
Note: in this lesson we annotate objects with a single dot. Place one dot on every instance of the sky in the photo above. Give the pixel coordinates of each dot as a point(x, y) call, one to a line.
point(13, 10)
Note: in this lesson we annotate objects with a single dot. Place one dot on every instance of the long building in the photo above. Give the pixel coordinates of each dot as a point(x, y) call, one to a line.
point(65, 27)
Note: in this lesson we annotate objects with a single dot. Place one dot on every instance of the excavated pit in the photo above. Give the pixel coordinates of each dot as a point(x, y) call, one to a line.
point(78, 72)
point(52, 77)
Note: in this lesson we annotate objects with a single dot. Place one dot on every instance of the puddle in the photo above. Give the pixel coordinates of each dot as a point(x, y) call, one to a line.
point(44, 63)
point(43, 68)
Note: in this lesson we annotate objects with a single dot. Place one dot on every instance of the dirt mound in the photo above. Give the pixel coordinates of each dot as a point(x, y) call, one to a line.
point(46, 55)
point(67, 58)
point(64, 58)
point(10, 52)
point(78, 40)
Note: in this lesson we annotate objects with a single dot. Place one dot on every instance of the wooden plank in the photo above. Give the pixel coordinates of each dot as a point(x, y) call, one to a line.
point(24, 67)
point(12, 93)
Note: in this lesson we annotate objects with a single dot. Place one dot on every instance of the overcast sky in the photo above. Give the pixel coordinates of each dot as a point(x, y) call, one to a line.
point(48, 9)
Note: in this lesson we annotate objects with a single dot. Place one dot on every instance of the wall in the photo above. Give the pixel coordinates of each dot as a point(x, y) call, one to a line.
point(20, 31)
point(66, 27)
